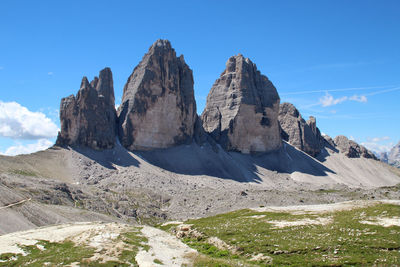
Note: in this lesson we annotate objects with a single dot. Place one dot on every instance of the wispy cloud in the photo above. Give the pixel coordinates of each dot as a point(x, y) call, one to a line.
point(378, 139)
point(1, 68)
point(346, 89)
point(377, 146)
point(383, 91)
point(328, 100)
point(50, 73)
point(358, 98)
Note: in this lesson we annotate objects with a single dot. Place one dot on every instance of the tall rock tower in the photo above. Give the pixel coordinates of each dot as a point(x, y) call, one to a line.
point(301, 134)
point(158, 109)
point(89, 118)
point(242, 109)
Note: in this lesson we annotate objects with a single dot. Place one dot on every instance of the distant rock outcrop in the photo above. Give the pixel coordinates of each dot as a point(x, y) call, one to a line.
point(89, 118)
point(351, 149)
point(242, 109)
point(383, 157)
point(394, 155)
point(158, 109)
point(329, 143)
point(301, 134)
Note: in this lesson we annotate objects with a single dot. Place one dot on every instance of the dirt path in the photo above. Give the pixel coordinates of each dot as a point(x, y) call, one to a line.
point(165, 249)
point(17, 203)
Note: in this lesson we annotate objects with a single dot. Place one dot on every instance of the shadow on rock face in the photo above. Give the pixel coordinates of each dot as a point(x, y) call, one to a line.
point(203, 160)
point(109, 158)
point(194, 159)
point(288, 159)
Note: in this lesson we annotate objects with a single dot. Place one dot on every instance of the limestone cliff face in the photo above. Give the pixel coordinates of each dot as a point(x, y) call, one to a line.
point(301, 134)
point(89, 118)
point(158, 109)
point(242, 108)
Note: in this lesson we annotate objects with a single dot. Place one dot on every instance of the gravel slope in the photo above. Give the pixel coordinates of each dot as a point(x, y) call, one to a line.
point(183, 182)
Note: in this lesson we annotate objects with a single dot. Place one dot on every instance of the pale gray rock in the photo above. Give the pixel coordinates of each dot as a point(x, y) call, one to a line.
point(329, 142)
point(89, 118)
point(158, 109)
point(384, 157)
point(299, 133)
point(351, 149)
point(242, 108)
point(394, 155)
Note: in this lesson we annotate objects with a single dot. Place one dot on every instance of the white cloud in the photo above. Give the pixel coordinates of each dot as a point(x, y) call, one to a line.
point(379, 139)
point(379, 148)
point(18, 122)
point(328, 100)
point(378, 144)
point(50, 73)
point(1, 68)
point(41, 144)
point(361, 98)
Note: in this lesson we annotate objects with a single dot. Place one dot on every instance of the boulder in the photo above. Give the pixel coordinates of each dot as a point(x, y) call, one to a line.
point(89, 118)
point(158, 109)
point(299, 133)
point(351, 149)
point(241, 112)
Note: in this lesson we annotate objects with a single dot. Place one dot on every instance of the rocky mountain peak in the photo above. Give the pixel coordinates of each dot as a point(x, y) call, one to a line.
point(242, 109)
point(158, 109)
point(89, 118)
point(161, 44)
point(351, 149)
point(301, 134)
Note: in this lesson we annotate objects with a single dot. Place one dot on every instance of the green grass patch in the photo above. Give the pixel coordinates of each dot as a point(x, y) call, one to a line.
point(343, 242)
point(134, 241)
point(24, 172)
point(57, 254)
point(64, 253)
point(157, 261)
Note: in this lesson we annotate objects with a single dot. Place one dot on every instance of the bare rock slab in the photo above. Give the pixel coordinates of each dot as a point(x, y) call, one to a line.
point(242, 108)
point(158, 109)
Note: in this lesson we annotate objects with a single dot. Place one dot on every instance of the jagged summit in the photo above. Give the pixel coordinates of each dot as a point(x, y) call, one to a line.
point(242, 107)
point(161, 44)
point(351, 149)
point(89, 118)
point(301, 134)
point(158, 109)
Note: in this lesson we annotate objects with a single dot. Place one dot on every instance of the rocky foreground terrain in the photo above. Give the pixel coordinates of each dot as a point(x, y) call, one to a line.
point(154, 159)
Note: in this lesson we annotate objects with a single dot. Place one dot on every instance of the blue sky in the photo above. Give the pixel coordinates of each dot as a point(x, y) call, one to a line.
point(336, 60)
